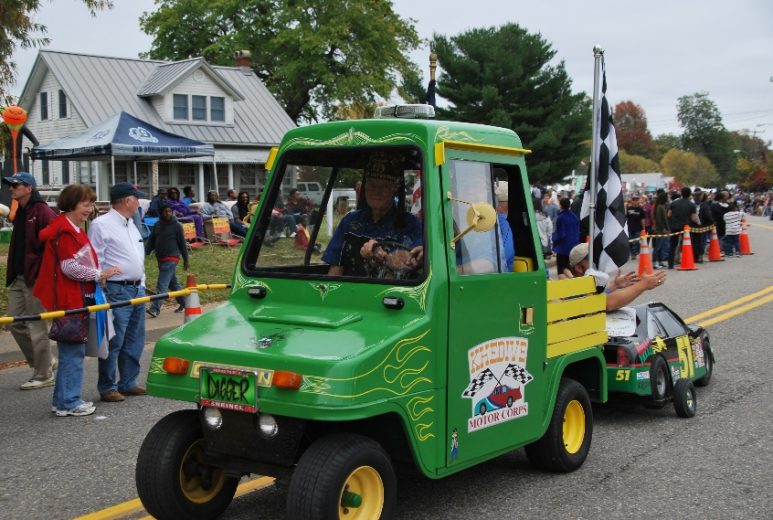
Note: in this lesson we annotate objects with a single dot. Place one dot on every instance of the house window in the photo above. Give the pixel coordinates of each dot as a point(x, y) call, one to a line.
point(46, 173)
point(199, 106)
point(65, 172)
point(43, 106)
point(180, 103)
point(217, 108)
point(62, 104)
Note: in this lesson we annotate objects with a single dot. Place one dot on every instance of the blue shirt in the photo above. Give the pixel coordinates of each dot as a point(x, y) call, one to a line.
point(358, 227)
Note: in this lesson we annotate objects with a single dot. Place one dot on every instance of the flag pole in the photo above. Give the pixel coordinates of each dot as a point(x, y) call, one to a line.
point(598, 55)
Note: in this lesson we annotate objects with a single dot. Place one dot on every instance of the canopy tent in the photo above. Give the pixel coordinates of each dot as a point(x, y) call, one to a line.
point(125, 137)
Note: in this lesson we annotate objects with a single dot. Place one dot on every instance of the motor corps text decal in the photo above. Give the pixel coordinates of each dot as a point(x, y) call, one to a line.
point(498, 380)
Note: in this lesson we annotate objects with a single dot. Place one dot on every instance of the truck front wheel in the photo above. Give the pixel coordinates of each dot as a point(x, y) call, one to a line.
point(566, 443)
point(343, 476)
point(172, 479)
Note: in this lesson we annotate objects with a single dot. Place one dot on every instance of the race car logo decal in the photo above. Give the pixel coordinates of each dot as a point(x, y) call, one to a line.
point(498, 380)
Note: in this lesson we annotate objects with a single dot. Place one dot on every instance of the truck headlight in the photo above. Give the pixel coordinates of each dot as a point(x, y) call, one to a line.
point(268, 426)
point(212, 418)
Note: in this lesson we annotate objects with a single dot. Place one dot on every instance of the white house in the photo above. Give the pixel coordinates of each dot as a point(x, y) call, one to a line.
point(228, 107)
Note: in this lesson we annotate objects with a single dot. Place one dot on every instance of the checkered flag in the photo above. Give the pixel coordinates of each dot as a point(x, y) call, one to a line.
point(610, 233)
point(518, 373)
point(478, 382)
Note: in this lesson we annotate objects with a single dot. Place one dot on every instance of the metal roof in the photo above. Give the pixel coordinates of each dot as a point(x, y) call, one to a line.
point(100, 86)
point(166, 76)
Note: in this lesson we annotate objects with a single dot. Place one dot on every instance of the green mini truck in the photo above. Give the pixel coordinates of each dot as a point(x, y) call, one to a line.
point(417, 329)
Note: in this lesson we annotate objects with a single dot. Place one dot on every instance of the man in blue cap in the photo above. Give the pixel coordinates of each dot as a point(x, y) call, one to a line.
point(118, 243)
point(23, 265)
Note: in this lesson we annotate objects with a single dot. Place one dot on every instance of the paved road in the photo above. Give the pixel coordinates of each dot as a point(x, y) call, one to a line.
point(643, 463)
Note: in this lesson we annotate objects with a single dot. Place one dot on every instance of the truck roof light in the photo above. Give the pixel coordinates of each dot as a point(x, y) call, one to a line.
point(177, 366)
point(287, 379)
point(405, 112)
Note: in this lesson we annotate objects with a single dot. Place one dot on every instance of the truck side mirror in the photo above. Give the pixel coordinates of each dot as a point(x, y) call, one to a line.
point(481, 217)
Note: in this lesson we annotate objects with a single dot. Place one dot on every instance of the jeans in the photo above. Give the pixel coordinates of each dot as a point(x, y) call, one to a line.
point(69, 376)
point(660, 253)
point(126, 346)
point(238, 229)
point(636, 244)
point(732, 244)
point(167, 281)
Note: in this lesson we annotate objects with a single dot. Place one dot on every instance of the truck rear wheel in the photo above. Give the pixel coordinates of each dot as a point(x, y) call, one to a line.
point(566, 443)
point(343, 476)
point(172, 480)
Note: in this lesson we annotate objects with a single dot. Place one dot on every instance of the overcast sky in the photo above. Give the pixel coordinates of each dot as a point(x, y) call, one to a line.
point(656, 51)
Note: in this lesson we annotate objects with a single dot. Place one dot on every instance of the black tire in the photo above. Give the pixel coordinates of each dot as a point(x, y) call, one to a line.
point(659, 378)
point(172, 483)
point(337, 465)
point(685, 402)
point(708, 359)
point(563, 451)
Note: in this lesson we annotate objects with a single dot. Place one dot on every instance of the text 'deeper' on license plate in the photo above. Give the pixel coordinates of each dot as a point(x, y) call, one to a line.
point(228, 389)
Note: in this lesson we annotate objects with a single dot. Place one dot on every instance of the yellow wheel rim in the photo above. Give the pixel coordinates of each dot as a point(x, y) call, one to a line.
point(574, 427)
point(365, 483)
point(191, 485)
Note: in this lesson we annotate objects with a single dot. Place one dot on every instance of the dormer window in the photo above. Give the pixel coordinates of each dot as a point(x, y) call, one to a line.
point(217, 108)
point(199, 108)
point(180, 106)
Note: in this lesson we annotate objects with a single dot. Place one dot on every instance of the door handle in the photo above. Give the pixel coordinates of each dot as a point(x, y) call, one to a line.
point(527, 315)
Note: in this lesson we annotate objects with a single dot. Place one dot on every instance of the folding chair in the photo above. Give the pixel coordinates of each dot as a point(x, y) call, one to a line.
point(189, 233)
point(218, 231)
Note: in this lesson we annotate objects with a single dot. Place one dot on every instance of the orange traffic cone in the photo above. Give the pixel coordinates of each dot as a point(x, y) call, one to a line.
point(645, 260)
point(715, 255)
point(192, 304)
point(688, 262)
point(746, 247)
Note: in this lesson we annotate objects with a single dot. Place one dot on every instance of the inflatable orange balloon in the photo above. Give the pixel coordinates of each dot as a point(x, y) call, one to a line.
point(14, 116)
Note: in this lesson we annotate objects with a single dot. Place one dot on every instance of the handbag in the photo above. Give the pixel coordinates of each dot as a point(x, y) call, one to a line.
point(70, 329)
point(67, 329)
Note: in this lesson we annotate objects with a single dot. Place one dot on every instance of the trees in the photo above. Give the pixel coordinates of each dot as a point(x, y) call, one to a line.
point(501, 76)
point(704, 132)
point(19, 30)
point(633, 136)
point(636, 163)
point(313, 55)
point(689, 169)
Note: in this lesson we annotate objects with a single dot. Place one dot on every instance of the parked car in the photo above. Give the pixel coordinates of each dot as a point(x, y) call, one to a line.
point(312, 191)
point(661, 360)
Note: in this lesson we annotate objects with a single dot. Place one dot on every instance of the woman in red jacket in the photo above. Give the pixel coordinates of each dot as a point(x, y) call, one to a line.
point(65, 281)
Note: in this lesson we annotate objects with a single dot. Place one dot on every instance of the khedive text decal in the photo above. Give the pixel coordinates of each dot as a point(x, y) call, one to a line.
point(498, 380)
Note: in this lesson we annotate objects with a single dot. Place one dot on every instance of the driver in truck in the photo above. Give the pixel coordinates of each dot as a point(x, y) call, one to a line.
point(381, 240)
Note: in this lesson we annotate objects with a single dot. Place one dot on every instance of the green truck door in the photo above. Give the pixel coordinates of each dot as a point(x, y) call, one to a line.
point(496, 328)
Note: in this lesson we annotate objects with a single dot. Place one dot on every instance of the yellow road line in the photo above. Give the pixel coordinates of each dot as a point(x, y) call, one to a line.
point(135, 506)
point(730, 305)
point(116, 511)
point(736, 312)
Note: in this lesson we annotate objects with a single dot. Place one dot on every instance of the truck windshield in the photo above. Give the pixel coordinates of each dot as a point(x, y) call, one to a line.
point(367, 223)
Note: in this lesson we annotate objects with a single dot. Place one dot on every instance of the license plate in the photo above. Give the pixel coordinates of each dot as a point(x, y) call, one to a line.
point(228, 389)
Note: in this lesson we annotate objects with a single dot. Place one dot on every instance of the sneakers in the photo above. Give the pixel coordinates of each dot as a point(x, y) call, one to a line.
point(112, 396)
point(738, 255)
point(137, 390)
point(85, 408)
point(152, 313)
point(34, 384)
point(179, 309)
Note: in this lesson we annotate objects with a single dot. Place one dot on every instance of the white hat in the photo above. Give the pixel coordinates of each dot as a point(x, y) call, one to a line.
point(578, 254)
point(501, 191)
